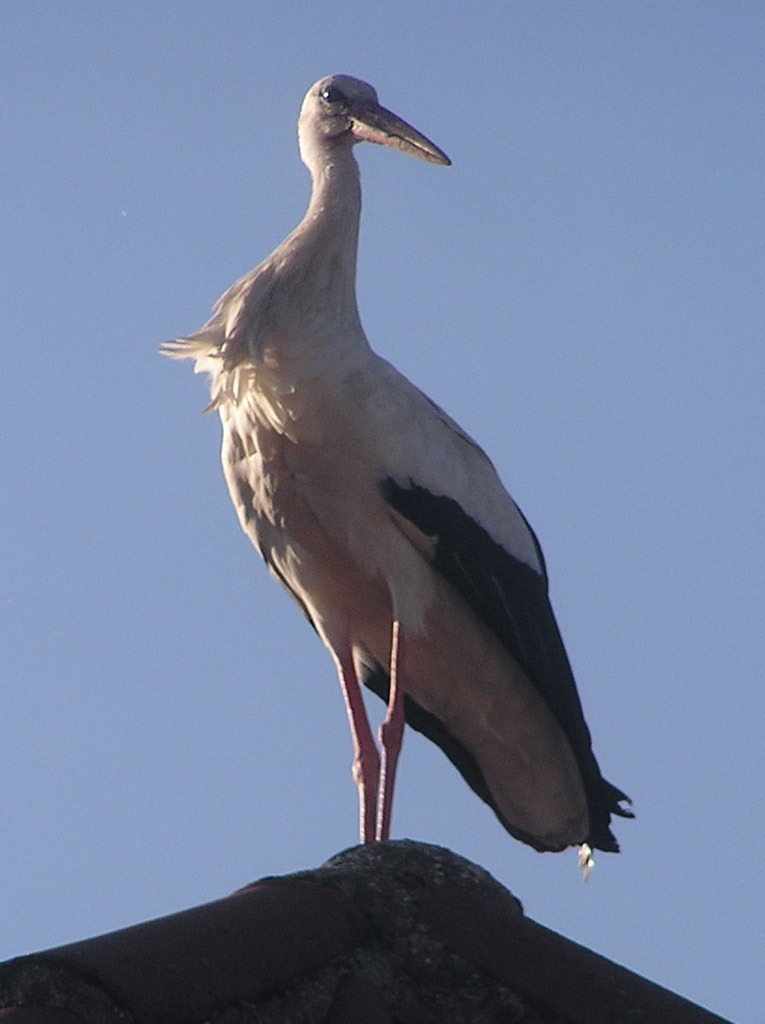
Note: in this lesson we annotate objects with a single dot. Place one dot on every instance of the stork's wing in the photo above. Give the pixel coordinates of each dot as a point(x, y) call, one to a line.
point(510, 598)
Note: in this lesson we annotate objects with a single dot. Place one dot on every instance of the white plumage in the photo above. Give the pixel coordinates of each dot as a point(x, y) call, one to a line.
point(387, 523)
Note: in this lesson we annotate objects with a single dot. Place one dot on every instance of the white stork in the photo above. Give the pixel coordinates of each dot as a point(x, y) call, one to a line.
point(388, 524)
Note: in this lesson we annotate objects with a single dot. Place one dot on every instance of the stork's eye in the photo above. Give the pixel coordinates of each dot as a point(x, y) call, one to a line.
point(332, 95)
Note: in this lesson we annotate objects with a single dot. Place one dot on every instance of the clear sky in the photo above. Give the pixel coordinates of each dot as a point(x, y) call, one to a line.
point(583, 290)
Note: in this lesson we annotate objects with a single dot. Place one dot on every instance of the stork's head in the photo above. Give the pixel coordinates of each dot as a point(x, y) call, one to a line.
point(340, 111)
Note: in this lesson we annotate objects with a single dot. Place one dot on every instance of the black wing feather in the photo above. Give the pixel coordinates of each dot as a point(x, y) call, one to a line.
point(511, 598)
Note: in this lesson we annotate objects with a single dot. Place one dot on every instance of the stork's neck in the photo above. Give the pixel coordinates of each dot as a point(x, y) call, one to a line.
point(336, 185)
point(330, 228)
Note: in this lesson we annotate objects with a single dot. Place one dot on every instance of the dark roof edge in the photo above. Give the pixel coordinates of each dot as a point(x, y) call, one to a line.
point(396, 929)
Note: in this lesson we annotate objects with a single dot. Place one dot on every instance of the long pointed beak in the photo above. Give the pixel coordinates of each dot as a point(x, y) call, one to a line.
point(376, 124)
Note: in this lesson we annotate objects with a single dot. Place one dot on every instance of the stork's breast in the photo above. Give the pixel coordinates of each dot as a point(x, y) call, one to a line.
point(305, 509)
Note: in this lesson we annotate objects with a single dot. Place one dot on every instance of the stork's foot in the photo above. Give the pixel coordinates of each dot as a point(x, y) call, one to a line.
point(391, 735)
point(366, 775)
point(366, 763)
point(375, 782)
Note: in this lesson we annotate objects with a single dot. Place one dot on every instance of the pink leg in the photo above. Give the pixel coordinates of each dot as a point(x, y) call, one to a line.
point(391, 734)
point(366, 764)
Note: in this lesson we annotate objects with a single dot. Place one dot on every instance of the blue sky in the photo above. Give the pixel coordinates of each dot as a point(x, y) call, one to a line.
point(583, 290)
